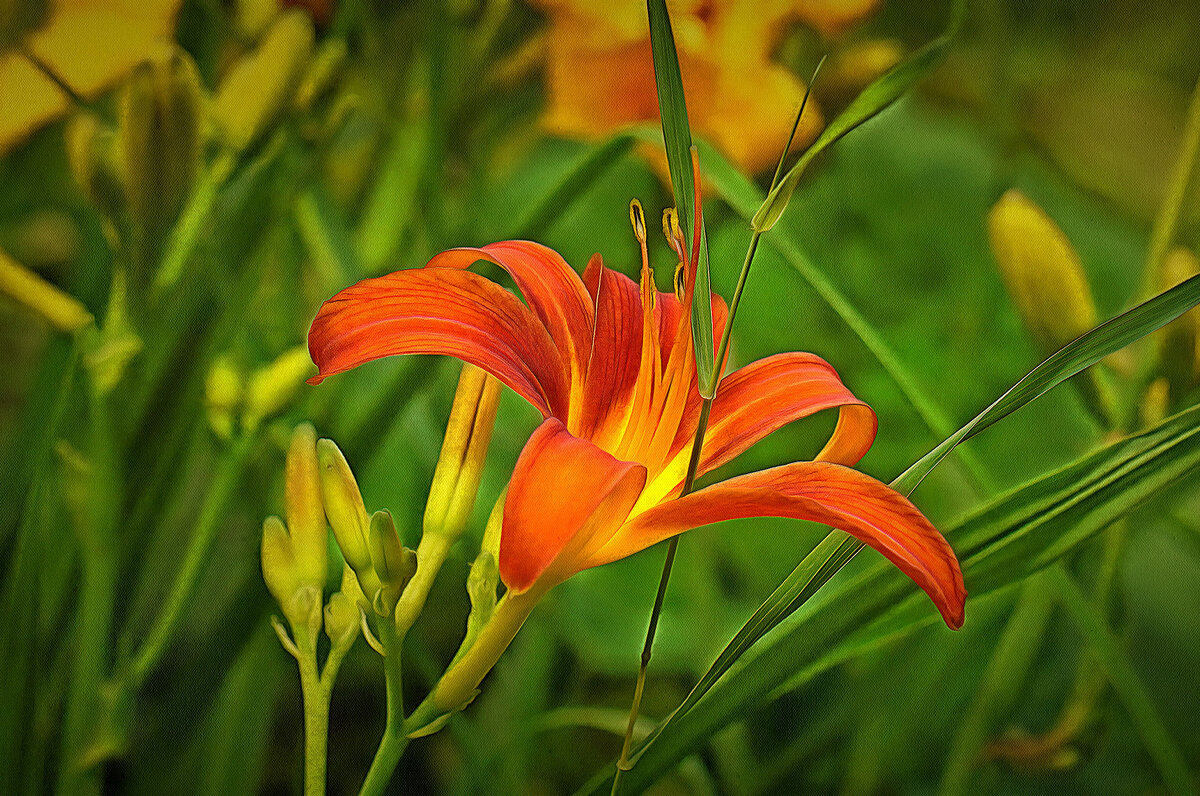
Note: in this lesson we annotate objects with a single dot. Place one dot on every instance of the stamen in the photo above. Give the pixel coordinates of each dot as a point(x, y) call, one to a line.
point(638, 219)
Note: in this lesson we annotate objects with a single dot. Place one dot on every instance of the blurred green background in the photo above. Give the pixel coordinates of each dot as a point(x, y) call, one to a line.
point(379, 134)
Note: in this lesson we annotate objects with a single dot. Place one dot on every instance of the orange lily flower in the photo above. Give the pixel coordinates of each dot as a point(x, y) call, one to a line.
point(610, 365)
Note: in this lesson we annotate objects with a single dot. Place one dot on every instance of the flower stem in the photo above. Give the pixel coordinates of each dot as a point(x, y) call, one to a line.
point(395, 739)
point(316, 714)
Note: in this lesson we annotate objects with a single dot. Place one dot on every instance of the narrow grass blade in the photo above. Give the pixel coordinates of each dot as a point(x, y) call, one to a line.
point(880, 94)
point(677, 138)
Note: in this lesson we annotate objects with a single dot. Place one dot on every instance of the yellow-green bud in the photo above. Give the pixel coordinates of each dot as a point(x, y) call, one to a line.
point(222, 395)
point(271, 388)
point(481, 587)
point(341, 620)
point(305, 512)
point(464, 451)
point(1041, 270)
point(321, 74)
point(92, 154)
point(260, 85)
point(1179, 341)
point(279, 562)
point(63, 311)
point(159, 134)
point(394, 563)
point(346, 513)
point(253, 16)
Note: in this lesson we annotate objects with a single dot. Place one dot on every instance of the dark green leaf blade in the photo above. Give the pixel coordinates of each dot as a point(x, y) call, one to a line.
point(677, 138)
point(876, 97)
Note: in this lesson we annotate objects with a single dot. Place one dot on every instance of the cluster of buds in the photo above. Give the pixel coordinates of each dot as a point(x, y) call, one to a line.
point(235, 399)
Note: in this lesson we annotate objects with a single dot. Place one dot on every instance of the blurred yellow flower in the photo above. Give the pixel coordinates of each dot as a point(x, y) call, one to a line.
point(600, 75)
point(87, 44)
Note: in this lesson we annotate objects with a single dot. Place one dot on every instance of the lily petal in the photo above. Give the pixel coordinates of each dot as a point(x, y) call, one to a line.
point(821, 492)
point(616, 347)
point(566, 498)
point(550, 286)
point(441, 311)
point(763, 396)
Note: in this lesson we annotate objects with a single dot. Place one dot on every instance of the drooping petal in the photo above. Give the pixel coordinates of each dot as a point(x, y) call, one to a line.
point(566, 498)
point(821, 492)
point(550, 286)
point(616, 349)
point(441, 311)
point(763, 396)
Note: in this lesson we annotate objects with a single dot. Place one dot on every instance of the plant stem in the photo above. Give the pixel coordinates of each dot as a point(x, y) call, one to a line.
point(316, 713)
point(1166, 223)
point(211, 513)
point(395, 739)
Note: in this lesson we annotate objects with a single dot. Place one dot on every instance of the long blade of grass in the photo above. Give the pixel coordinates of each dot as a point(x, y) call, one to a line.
point(1004, 542)
point(677, 138)
point(876, 97)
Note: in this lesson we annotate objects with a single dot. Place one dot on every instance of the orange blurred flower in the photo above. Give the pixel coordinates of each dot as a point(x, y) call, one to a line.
point(600, 74)
point(87, 44)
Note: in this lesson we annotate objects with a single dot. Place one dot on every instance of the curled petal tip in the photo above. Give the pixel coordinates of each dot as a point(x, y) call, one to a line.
point(315, 380)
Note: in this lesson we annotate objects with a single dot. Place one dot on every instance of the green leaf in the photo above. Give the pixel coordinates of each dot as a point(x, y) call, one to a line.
point(677, 138)
point(1004, 542)
point(885, 90)
point(1126, 683)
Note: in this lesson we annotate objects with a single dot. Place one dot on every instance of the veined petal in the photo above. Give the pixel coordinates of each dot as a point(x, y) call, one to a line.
point(616, 348)
point(763, 396)
point(551, 288)
point(821, 492)
point(566, 498)
point(441, 311)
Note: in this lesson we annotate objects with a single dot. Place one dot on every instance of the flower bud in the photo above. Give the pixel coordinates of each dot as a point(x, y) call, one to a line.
point(1042, 272)
point(159, 135)
point(222, 395)
point(321, 74)
point(464, 451)
point(271, 388)
point(1179, 341)
point(260, 85)
point(278, 561)
point(394, 563)
point(92, 155)
point(63, 311)
point(346, 513)
point(305, 513)
point(341, 620)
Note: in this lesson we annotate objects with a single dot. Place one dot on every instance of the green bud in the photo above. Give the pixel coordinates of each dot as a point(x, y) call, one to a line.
point(92, 154)
point(481, 587)
point(464, 452)
point(271, 388)
point(321, 74)
point(394, 563)
point(61, 310)
point(341, 620)
point(223, 395)
point(305, 512)
point(159, 135)
point(1042, 271)
point(261, 84)
point(346, 513)
point(279, 562)
point(303, 611)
